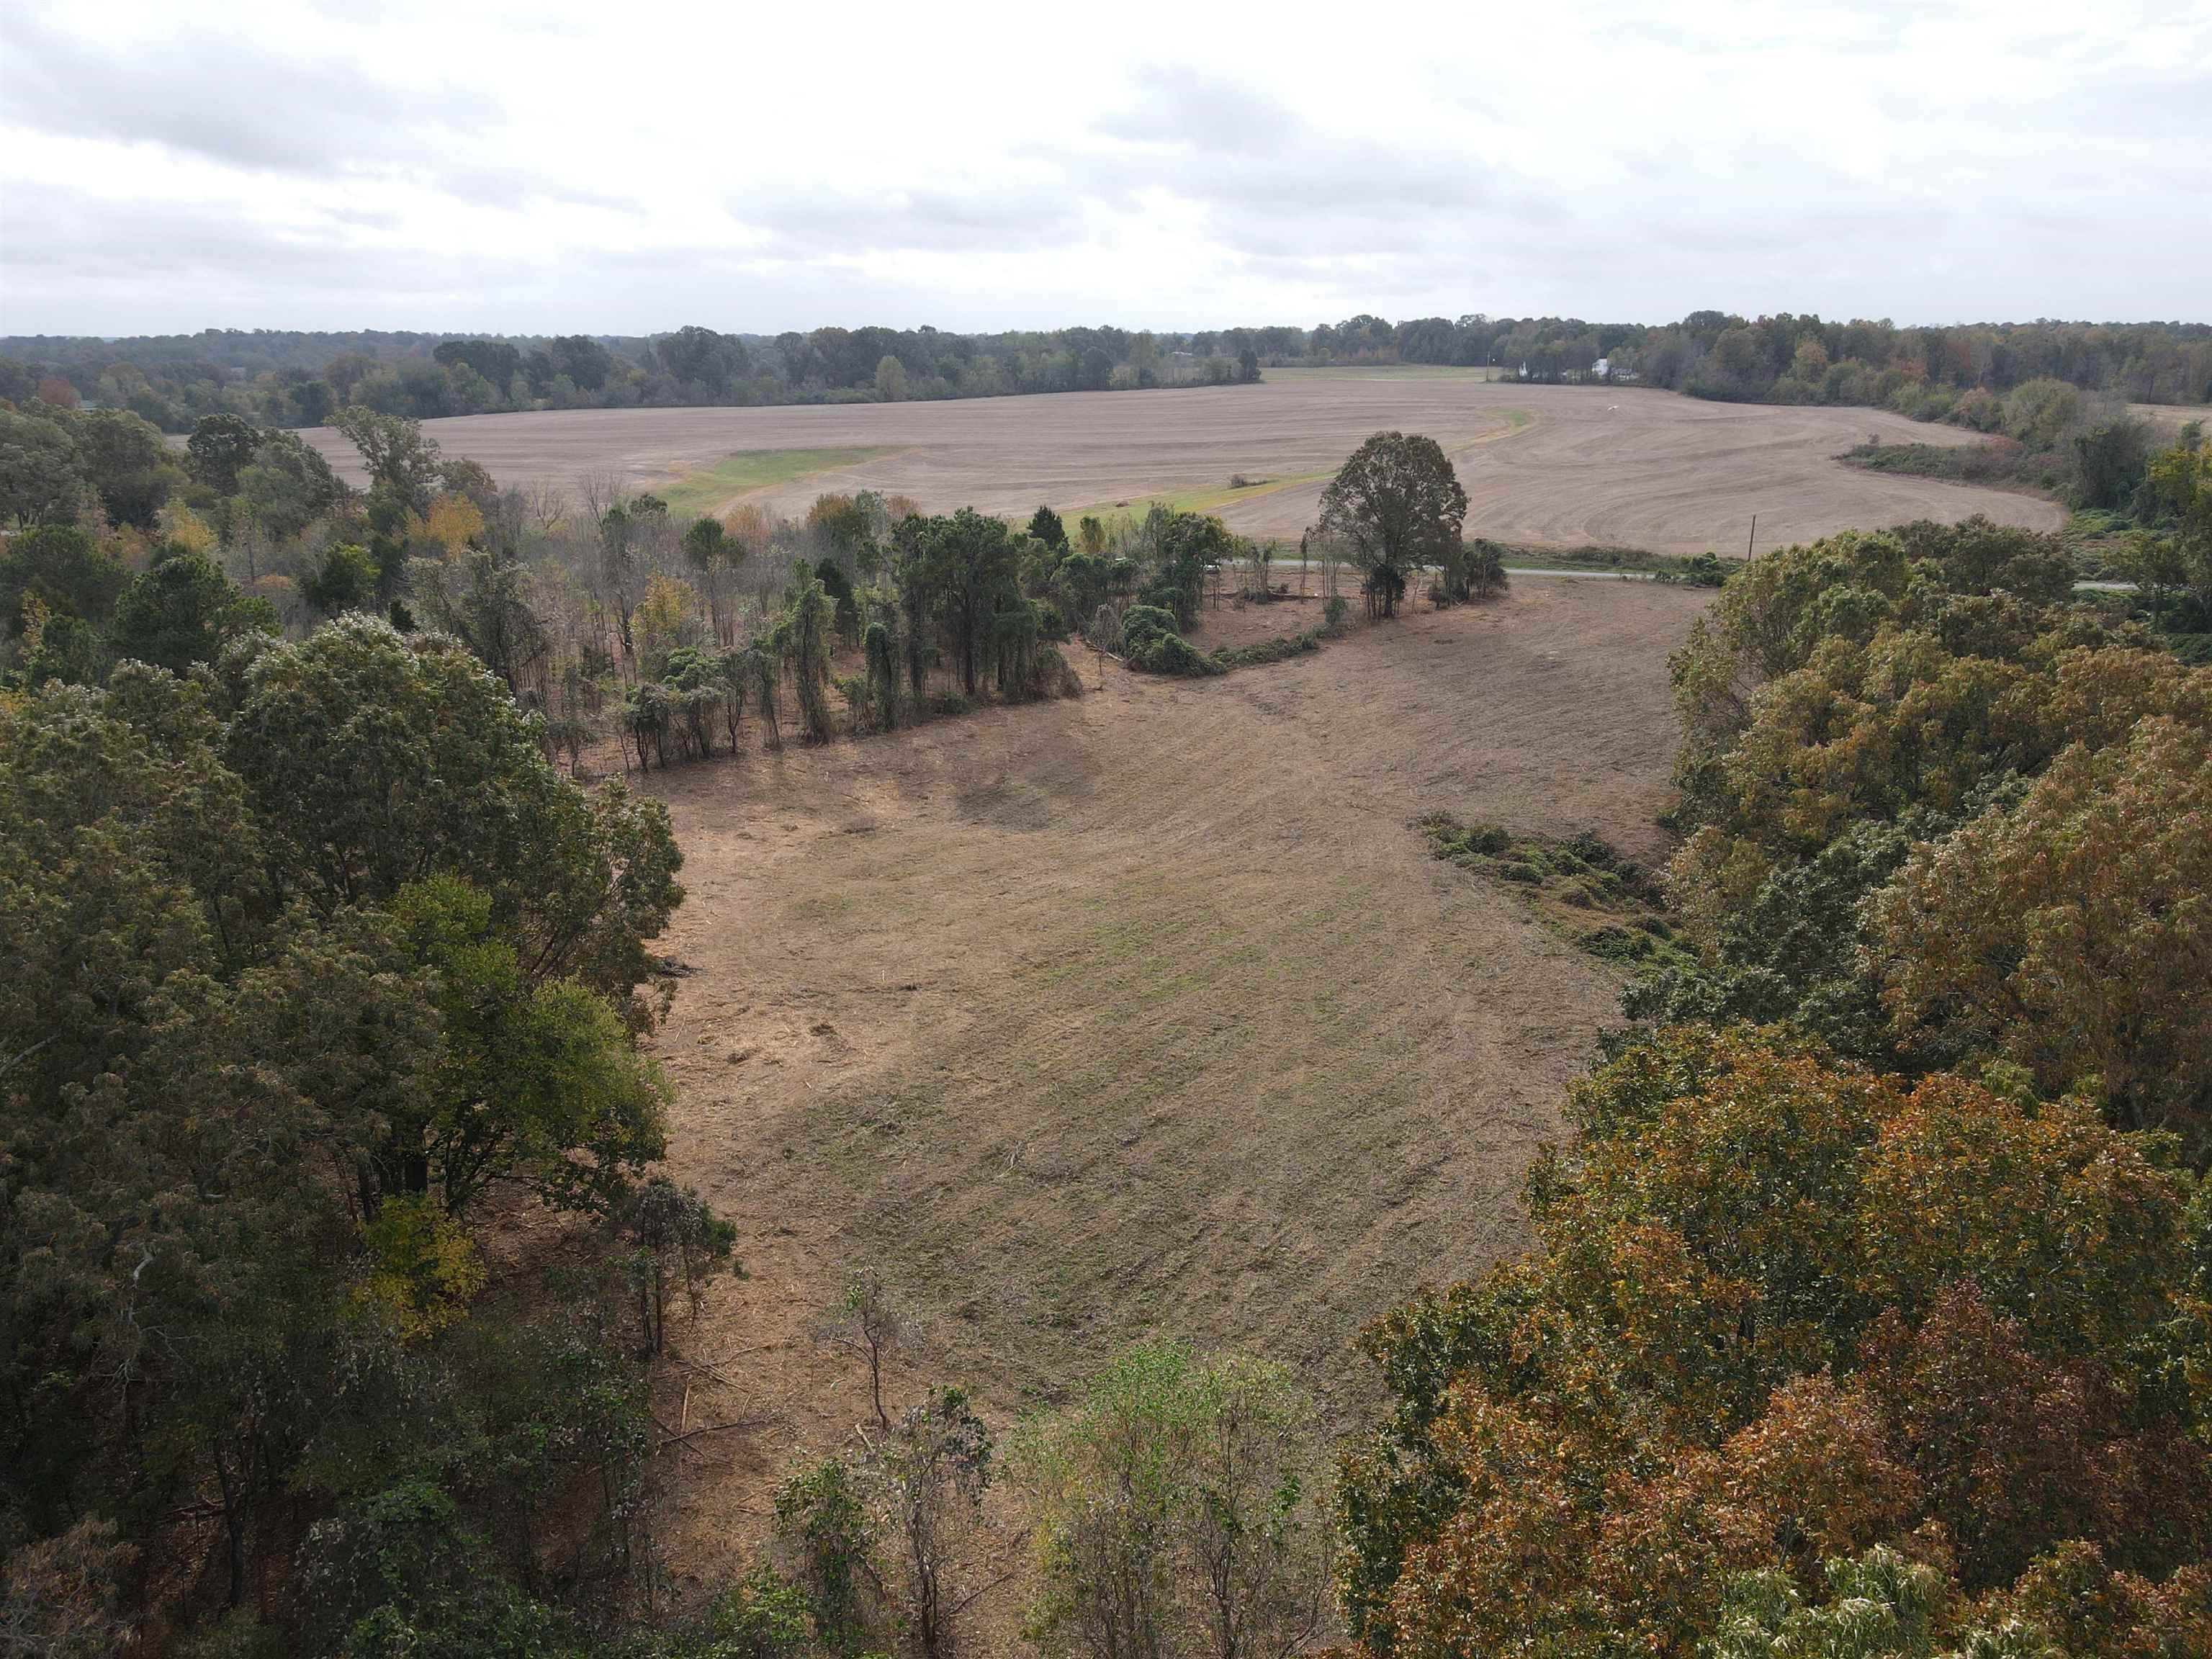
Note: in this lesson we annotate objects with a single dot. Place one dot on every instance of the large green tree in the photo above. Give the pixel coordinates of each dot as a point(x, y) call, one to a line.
point(184, 1078)
point(381, 761)
point(124, 461)
point(40, 479)
point(183, 610)
point(220, 447)
point(262, 1048)
point(286, 486)
point(65, 569)
point(1395, 507)
point(403, 464)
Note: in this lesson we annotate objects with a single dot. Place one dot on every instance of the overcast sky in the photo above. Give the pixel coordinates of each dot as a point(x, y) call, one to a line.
point(630, 167)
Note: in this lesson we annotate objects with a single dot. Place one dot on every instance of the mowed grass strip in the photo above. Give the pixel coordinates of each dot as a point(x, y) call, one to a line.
point(710, 489)
point(1149, 1011)
point(1167, 1117)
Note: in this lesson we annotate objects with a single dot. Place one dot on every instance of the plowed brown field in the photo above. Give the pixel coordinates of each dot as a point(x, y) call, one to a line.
point(1551, 466)
point(1145, 1011)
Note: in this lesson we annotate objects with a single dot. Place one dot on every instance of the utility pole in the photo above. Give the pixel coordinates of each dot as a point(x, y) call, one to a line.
point(1754, 542)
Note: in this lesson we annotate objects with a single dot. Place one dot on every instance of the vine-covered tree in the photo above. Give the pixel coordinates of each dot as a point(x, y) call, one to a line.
point(803, 632)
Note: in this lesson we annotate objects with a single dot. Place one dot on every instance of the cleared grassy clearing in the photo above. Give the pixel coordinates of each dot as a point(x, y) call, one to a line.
point(1149, 1010)
point(709, 489)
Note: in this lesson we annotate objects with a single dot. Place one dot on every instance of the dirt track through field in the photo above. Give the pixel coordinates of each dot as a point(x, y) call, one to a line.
point(1551, 466)
point(1146, 1012)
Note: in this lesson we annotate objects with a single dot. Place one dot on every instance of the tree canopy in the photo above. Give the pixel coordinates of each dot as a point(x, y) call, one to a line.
point(271, 1025)
point(1395, 506)
point(1784, 1310)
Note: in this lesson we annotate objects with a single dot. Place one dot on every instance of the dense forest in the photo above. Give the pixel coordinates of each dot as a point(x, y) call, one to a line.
point(296, 380)
point(1870, 1307)
point(1921, 372)
point(284, 378)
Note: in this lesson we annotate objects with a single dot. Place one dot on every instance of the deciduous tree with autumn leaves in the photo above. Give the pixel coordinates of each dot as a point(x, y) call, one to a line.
point(1871, 1307)
point(1937, 809)
point(1783, 1312)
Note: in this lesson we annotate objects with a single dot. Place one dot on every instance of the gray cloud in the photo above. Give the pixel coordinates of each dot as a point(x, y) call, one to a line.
point(1188, 109)
point(555, 164)
point(949, 218)
point(1208, 140)
point(225, 99)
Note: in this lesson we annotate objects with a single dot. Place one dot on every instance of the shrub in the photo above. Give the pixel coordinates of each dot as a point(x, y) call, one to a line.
point(1282, 647)
point(1149, 642)
point(1143, 624)
point(1171, 654)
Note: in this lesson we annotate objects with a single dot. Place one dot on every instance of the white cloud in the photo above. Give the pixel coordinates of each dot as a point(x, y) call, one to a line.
point(632, 168)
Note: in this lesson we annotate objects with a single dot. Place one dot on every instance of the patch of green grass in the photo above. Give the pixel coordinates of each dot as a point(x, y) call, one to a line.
point(2098, 538)
point(1213, 499)
point(1997, 465)
point(1386, 371)
point(1131, 513)
point(1280, 648)
point(707, 489)
point(1629, 560)
point(1583, 890)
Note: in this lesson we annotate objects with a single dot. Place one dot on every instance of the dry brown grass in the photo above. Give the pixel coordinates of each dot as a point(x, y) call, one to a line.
point(2166, 420)
point(1145, 1011)
point(1545, 467)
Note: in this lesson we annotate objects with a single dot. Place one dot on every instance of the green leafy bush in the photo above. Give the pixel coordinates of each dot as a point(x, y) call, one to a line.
point(1279, 649)
point(1149, 642)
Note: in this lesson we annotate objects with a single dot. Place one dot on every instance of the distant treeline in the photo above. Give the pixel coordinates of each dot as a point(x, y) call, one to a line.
point(294, 379)
point(1790, 359)
point(280, 378)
